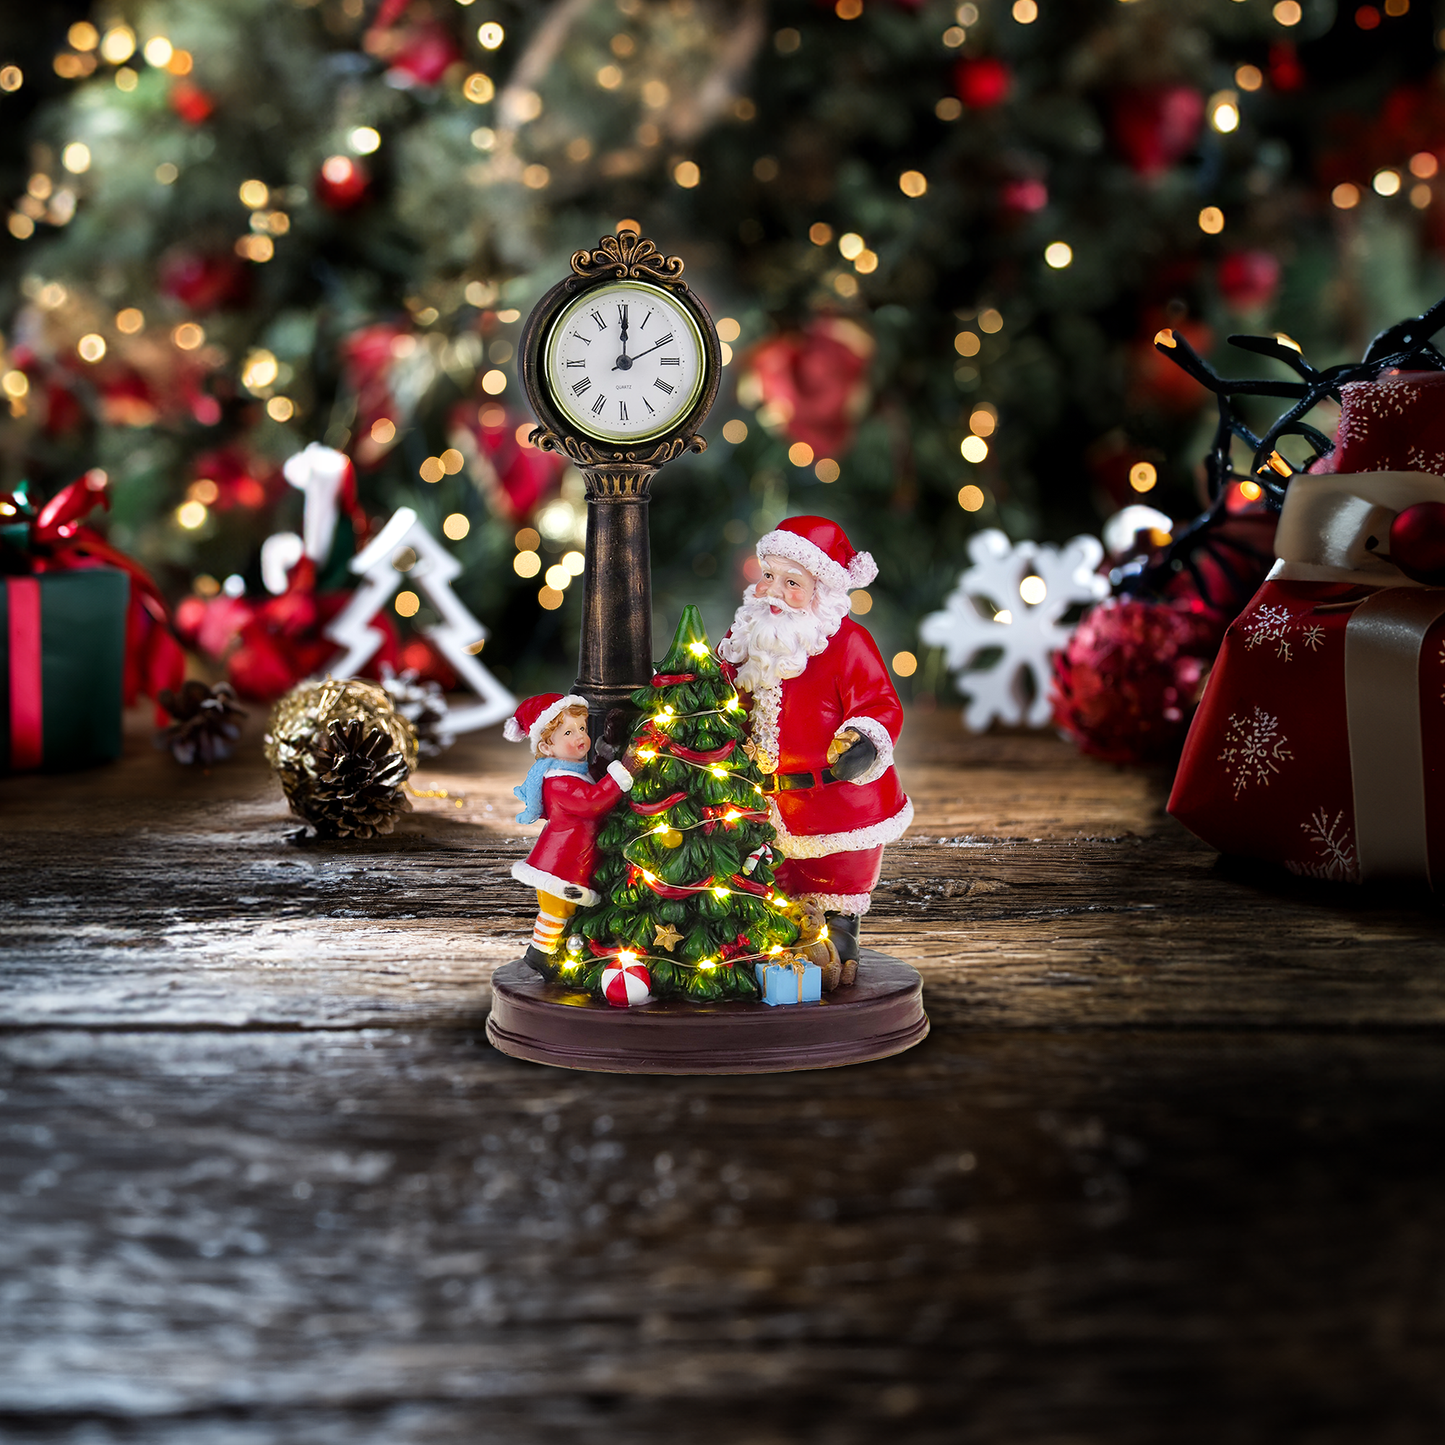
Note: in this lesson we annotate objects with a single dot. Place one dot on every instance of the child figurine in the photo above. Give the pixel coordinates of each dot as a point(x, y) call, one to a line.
point(559, 788)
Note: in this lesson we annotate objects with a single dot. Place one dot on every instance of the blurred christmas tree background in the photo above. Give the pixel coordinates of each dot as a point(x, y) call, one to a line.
point(937, 239)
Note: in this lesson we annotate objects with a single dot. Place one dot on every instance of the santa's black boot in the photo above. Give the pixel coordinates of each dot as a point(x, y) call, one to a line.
point(535, 958)
point(843, 930)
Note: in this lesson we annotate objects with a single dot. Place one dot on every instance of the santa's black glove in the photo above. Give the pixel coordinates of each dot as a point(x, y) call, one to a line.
point(615, 730)
point(855, 761)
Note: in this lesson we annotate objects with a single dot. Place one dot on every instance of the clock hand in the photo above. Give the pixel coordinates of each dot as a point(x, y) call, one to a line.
point(624, 362)
point(641, 354)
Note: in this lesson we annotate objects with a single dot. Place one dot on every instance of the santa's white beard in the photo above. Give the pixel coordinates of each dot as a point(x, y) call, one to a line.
point(772, 647)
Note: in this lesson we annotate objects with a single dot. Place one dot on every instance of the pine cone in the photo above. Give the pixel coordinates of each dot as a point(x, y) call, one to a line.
point(357, 791)
point(203, 726)
point(341, 753)
point(424, 706)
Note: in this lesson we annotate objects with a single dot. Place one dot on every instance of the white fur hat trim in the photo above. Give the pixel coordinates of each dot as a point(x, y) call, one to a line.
point(808, 555)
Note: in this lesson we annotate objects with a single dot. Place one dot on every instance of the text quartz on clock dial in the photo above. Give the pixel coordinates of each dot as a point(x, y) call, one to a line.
point(624, 366)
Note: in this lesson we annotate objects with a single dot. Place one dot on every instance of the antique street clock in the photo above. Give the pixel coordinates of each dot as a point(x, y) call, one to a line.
point(621, 364)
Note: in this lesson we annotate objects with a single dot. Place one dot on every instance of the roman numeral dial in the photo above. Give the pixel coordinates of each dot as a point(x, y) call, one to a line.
point(625, 361)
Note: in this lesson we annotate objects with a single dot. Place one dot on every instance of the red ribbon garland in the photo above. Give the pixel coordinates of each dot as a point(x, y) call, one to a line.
point(669, 890)
point(651, 810)
point(714, 755)
point(748, 886)
point(58, 542)
point(667, 679)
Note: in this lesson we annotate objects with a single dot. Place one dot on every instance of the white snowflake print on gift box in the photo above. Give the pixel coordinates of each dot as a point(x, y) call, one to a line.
point(1279, 626)
point(1334, 849)
point(1012, 601)
point(1253, 750)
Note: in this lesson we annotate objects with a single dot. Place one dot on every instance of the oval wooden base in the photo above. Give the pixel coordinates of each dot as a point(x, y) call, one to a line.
point(881, 1014)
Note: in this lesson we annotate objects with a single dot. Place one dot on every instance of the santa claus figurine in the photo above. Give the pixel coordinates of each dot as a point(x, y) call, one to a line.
point(559, 787)
point(824, 719)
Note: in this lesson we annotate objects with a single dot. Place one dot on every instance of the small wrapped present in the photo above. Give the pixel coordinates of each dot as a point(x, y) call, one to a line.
point(1319, 740)
point(789, 979)
point(62, 658)
point(83, 630)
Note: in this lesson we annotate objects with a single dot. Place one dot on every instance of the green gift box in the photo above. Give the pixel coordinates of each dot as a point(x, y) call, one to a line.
point(62, 658)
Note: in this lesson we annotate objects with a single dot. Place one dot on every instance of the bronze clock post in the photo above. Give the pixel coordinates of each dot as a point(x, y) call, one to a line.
point(621, 364)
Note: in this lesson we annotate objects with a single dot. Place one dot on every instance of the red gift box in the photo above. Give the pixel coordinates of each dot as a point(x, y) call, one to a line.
point(1320, 741)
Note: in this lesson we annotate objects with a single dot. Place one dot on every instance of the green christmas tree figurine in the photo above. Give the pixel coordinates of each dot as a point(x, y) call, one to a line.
point(685, 867)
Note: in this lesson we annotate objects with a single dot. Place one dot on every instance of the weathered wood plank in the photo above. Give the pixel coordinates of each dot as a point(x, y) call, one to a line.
point(183, 908)
point(1002, 1237)
point(1168, 1166)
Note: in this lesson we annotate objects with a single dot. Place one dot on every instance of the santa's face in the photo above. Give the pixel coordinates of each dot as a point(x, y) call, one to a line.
point(786, 617)
point(785, 584)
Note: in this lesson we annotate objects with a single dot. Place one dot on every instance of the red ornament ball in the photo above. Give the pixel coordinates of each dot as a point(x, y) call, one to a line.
point(342, 183)
point(1248, 279)
point(205, 282)
point(983, 83)
point(1156, 125)
point(1417, 542)
point(1127, 683)
point(191, 103)
point(422, 55)
point(815, 381)
point(1025, 195)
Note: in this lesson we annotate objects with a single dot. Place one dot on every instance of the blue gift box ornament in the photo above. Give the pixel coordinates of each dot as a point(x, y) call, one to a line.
point(791, 980)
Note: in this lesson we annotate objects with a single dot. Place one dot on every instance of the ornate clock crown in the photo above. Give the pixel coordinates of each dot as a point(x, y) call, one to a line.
point(627, 256)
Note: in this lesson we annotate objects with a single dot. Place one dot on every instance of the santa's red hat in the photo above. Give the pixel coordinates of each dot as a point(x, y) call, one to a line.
point(534, 713)
point(821, 548)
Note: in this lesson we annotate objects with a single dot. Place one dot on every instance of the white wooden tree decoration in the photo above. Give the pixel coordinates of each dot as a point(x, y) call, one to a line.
point(432, 572)
point(1011, 600)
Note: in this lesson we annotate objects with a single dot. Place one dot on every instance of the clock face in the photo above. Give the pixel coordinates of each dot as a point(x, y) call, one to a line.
point(625, 362)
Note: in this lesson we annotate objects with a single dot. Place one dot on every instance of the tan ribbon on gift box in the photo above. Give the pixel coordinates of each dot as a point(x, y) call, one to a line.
point(1337, 529)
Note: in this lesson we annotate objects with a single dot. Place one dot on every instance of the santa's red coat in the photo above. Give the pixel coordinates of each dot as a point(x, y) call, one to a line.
point(846, 685)
point(563, 858)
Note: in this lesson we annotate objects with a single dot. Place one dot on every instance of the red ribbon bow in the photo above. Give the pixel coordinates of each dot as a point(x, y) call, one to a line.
point(58, 542)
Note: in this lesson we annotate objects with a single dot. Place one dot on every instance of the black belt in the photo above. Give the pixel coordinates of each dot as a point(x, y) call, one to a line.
point(790, 782)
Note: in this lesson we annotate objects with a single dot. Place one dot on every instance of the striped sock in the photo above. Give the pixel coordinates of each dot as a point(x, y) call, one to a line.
point(546, 932)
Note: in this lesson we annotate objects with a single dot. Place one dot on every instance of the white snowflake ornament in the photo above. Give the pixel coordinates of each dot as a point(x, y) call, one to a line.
point(1012, 599)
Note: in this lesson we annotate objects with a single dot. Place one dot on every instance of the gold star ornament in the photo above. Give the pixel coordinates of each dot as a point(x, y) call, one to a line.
point(667, 937)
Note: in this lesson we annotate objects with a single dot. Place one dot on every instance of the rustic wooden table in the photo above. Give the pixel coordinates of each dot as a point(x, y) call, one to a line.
point(1169, 1166)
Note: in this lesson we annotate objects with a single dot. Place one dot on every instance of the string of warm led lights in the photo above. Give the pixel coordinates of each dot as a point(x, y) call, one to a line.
point(627, 956)
point(1404, 346)
point(662, 748)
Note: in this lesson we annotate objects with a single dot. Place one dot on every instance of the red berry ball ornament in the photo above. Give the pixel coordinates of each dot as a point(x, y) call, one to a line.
point(1127, 683)
point(1417, 542)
